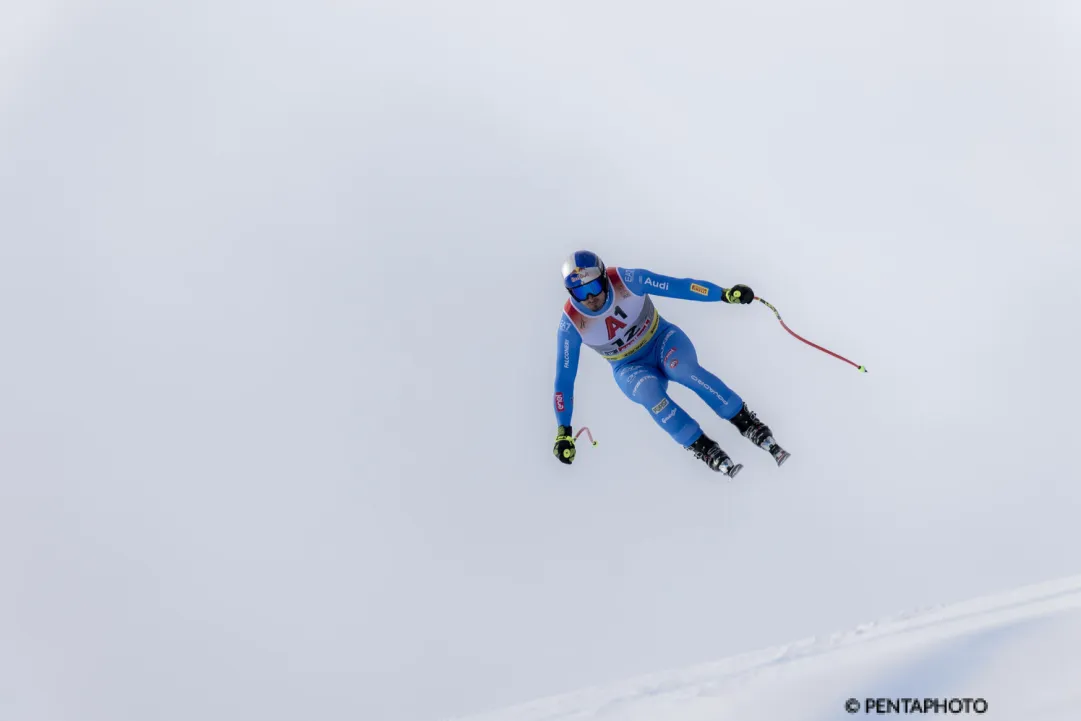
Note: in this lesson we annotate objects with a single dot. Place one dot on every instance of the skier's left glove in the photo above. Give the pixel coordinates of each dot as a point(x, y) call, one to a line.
point(739, 294)
point(564, 448)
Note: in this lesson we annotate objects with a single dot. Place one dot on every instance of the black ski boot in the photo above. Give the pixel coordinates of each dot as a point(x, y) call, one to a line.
point(758, 433)
point(706, 449)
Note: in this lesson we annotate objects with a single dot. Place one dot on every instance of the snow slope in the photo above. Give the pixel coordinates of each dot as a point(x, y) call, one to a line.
point(1019, 651)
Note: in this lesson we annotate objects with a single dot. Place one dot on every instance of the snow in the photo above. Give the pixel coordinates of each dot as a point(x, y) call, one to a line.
point(1012, 655)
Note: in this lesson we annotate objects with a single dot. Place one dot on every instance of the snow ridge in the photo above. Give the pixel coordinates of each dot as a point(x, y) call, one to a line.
point(846, 659)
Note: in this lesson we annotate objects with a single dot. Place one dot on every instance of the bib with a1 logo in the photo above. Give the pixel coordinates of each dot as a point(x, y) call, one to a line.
point(628, 325)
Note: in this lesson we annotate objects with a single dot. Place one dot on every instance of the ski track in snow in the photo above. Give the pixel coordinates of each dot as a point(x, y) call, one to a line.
point(1018, 650)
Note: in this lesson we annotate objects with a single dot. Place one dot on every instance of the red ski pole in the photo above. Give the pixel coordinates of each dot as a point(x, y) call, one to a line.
point(860, 368)
point(585, 430)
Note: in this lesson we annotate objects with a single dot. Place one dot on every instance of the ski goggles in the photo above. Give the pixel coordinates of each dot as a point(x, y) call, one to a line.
point(593, 287)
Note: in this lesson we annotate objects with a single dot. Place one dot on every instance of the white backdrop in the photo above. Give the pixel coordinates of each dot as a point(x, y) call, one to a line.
point(279, 294)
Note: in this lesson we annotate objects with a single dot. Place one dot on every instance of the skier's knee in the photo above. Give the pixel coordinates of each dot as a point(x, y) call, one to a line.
point(644, 387)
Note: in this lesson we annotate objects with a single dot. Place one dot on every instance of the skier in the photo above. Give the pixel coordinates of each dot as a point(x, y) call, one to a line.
point(610, 310)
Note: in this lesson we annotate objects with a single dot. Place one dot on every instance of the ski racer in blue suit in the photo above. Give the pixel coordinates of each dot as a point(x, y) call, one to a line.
point(611, 311)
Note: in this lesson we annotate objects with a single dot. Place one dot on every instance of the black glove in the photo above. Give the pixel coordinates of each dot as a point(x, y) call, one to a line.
point(739, 294)
point(564, 449)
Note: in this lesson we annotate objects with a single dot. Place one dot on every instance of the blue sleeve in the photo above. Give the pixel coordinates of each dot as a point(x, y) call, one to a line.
point(570, 346)
point(641, 281)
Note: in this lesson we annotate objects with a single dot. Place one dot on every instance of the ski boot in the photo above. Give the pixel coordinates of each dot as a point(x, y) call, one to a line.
point(758, 433)
point(706, 449)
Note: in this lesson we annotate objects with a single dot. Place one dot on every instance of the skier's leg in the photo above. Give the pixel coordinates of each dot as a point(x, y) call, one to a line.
point(679, 362)
point(646, 385)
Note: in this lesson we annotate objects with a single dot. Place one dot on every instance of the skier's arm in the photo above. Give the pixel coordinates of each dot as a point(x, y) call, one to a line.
point(641, 281)
point(570, 346)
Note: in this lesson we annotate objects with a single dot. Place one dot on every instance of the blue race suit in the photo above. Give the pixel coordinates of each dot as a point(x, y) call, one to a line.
point(645, 350)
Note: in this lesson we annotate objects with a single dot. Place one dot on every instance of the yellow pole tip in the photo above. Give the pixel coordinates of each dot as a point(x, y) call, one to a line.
point(863, 369)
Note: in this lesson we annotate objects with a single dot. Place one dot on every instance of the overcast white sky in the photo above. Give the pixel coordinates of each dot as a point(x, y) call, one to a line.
point(278, 300)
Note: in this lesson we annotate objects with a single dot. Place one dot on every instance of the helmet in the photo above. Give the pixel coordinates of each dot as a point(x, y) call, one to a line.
point(584, 275)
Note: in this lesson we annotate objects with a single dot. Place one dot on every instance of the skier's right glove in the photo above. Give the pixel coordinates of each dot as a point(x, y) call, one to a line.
point(739, 294)
point(564, 448)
